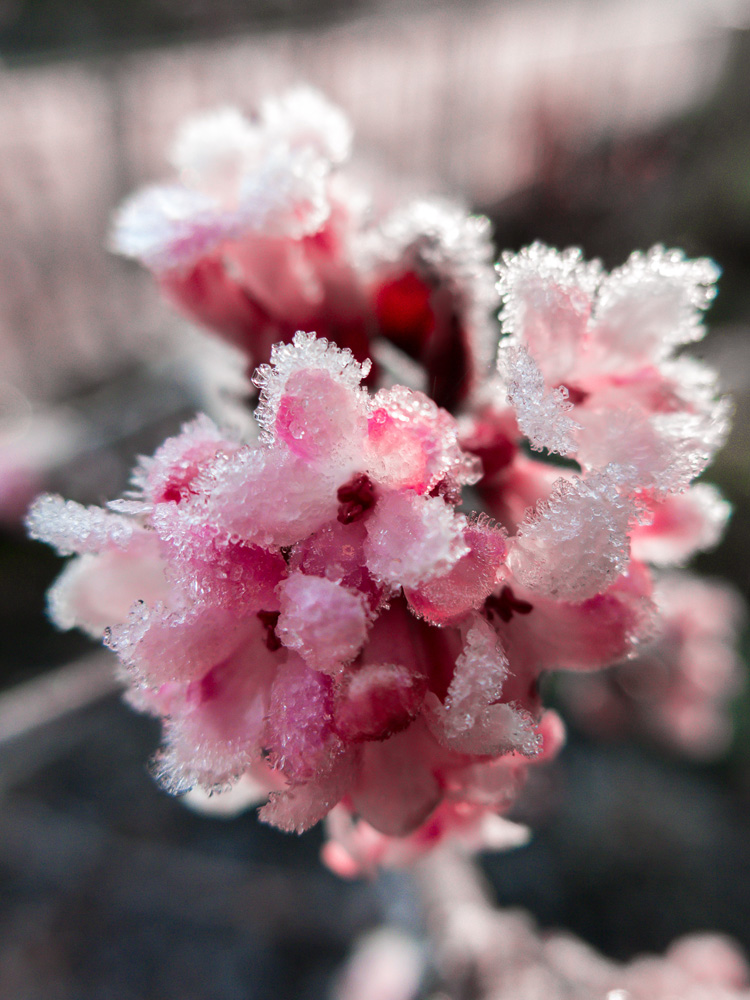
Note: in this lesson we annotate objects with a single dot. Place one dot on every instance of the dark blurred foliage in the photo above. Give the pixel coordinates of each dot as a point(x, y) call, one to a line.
point(59, 28)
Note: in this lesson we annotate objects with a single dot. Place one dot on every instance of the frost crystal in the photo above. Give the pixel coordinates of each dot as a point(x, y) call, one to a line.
point(309, 612)
point(589, 366)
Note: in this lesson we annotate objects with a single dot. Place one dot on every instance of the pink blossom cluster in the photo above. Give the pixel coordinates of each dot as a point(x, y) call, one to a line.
point(351, 612)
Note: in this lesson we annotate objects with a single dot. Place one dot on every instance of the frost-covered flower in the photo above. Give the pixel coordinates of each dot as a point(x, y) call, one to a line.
point(314, 607)
point(590, 367)
point(311, 612)
point(264, 234)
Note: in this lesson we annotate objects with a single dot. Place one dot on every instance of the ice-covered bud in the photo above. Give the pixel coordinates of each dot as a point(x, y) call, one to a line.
point(411, 538)
point(413, 443)
point(299, 735)
point(377, 700)
point(473, 719)
point(311, 399)
point(447, 598)
point(431, 280)
point(96, 589)
point(169, 475)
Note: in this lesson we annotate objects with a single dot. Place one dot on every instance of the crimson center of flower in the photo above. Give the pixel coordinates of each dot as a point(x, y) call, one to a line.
point(355, 497)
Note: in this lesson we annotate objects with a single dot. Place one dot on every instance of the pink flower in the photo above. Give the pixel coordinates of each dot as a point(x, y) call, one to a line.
point(679, 687)
point(590, 368)
point(315, 606)
point(263, 234)
point(509, 957)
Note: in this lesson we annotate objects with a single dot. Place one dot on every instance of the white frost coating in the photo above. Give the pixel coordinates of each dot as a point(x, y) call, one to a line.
point(547, 296)
point(168, 226)
point(707, 420)
point(659, 451)
point(303, 116)
point(269, 499)
point(542, 412)
point(197, 440)
point(575, 544)
point(213, 143)
point(323, 621)
point(306, 352)
point(72, 528)
point(478, 679)
point(694, 439)
point(286, 195)
point(653, 303)
point(638, 455)
point(411, 538)
point(472, 720)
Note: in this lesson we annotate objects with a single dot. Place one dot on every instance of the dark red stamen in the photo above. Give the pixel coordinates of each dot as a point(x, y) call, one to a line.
point(449, 491)
point(576, 395)
point(506, 604)
point(269, 620)
point(355, 497)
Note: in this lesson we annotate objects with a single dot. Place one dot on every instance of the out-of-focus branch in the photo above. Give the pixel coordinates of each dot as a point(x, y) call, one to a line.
point(50, 697)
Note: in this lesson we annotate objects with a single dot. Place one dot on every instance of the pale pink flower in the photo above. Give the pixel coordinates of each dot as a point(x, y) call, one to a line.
point(590, 367)
point(506, 956)
point(264, 234)
point(387, 964)
point(679, 687)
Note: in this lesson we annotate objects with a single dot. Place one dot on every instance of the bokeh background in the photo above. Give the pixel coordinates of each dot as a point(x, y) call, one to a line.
point(609, 124)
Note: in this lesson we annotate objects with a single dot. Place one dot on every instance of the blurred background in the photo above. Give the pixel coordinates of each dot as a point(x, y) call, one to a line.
point(610, 125)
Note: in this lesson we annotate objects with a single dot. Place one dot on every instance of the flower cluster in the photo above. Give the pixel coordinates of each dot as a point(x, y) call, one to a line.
point(313, 613)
